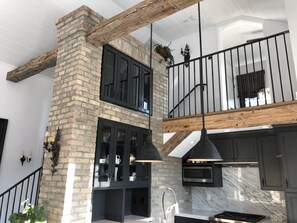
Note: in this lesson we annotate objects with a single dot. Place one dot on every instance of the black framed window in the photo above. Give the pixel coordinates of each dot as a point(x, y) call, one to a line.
point(125, 81)
point(3, 127)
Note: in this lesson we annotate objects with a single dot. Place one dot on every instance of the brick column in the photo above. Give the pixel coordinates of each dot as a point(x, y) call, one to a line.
point(67, 194)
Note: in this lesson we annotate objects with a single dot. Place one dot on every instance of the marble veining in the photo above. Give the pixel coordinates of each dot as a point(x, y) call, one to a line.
point(241, 192)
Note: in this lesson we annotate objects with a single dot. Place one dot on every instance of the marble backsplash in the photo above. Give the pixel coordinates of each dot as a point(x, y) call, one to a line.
point(241, 192)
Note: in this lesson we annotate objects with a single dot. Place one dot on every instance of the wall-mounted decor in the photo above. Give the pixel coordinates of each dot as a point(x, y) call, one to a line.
point(3, 127)
point(186, 53)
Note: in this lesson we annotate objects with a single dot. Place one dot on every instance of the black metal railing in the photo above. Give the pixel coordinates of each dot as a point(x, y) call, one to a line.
point(25, 189)
point(255, 73)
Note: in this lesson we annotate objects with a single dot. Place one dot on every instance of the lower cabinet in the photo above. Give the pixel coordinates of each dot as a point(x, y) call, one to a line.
point(291, 204)
point(271, 177)
point(115, 204)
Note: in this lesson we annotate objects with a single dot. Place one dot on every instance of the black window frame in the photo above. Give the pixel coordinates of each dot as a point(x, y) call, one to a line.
point(113, 95)
point(3, 128)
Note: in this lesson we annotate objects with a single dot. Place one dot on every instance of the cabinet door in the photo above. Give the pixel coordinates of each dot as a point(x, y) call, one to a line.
point(225, 148)
point(269, 163)
point(288, 145)
point(102, 171)
point(245, 150)
point(291, 204)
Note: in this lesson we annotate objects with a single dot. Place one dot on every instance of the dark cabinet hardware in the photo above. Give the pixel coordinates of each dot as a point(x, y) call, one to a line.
point(287, 183)
point(263, 182)
point(279, 156)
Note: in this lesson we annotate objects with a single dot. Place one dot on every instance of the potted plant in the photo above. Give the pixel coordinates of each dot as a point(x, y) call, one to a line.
point(31, 214)
point(165, 52)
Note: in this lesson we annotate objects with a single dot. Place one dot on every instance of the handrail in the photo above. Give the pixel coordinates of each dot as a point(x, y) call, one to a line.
point(11, 199)
point(20, 181)
point(232, 48)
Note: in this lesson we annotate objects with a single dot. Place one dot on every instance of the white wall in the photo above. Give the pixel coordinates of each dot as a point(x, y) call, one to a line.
point(26, 106)
point(291, 6)
point(209, 44)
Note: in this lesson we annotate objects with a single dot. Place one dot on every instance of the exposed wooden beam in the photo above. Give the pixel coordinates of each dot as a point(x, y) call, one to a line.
point(174, 141)
point(146, 12)
point(278, 113)
point(34, 66)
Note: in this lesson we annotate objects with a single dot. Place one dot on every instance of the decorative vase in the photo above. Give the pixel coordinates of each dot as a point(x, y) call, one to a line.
point(132, 158)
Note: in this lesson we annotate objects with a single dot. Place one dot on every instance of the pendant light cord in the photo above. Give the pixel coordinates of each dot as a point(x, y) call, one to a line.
point(150, 77)
point(201, 68)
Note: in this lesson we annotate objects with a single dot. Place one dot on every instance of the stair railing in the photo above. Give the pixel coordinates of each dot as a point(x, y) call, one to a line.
point(25, 189)
point(258, 72)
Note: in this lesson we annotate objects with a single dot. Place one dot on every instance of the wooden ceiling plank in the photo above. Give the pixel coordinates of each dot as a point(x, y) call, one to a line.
point(138, 16)
point(142, 14)
point(34, 66)
point(278, 113)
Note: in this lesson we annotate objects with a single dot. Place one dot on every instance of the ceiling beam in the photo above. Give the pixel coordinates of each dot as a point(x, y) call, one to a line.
point(174, 141)
point(34, 66)
point(278, 113)
point(138, 16)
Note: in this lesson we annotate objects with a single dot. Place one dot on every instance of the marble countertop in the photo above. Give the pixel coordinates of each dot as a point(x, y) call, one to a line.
point(204, 215)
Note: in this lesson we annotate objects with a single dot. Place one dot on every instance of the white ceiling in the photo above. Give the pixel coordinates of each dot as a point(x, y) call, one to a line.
point(28, 29)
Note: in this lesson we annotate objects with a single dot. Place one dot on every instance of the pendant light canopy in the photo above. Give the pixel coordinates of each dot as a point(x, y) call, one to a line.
point(148, 153)
point(204, 150)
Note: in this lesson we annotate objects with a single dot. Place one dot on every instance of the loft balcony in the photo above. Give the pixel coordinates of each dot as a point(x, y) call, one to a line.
point(248, 85)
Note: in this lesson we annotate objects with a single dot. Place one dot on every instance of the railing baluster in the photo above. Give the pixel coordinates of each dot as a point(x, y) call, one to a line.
point(189, 87)
point(206, 81)
point(232, 72)
point(38, 187)
point(219, 75)
point(226, 80)
point(20, 199)
point(270, 67)
point(168, 91)
point(247, 71)
point(279, 68)
point(28, 181)
point(178, 91)
point(184, 89)
point(7, 205)
point(15, 191)
point(262, 68)
point(33, 183)
point(239, 73)
point(195, 93)
point(173, 96)
point(213, 92)
point(288, 65)
point(254, 68)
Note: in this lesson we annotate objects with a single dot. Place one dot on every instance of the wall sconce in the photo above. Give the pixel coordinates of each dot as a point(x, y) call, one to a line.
point(52, 144)
point(186, 54)
point(25, 158)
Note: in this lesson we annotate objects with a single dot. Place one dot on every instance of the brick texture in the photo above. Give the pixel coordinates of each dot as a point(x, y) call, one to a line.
point(75, 108)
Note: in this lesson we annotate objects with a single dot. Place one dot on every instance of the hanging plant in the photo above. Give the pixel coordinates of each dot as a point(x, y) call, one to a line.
point(165, 52)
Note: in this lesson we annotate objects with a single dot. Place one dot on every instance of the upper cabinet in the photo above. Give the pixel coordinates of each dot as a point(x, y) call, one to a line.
point(116, 150)
point(125, 81)
point(234, 148)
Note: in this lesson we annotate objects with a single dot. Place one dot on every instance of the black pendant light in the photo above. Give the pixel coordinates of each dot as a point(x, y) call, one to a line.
point(148, 153)
point(204, 150)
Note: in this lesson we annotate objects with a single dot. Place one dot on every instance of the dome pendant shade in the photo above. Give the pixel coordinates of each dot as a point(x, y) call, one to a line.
point(204, 150)
point(148, 153)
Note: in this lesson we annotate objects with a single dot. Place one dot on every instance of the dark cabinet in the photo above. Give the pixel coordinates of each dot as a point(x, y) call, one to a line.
point(225, 148)
point(288, 145)
point(120, 185)
point(291, 204)
point(236, 149)
point(116, 149)
point(269, 163)
point(125, 81)
point(245, 149)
